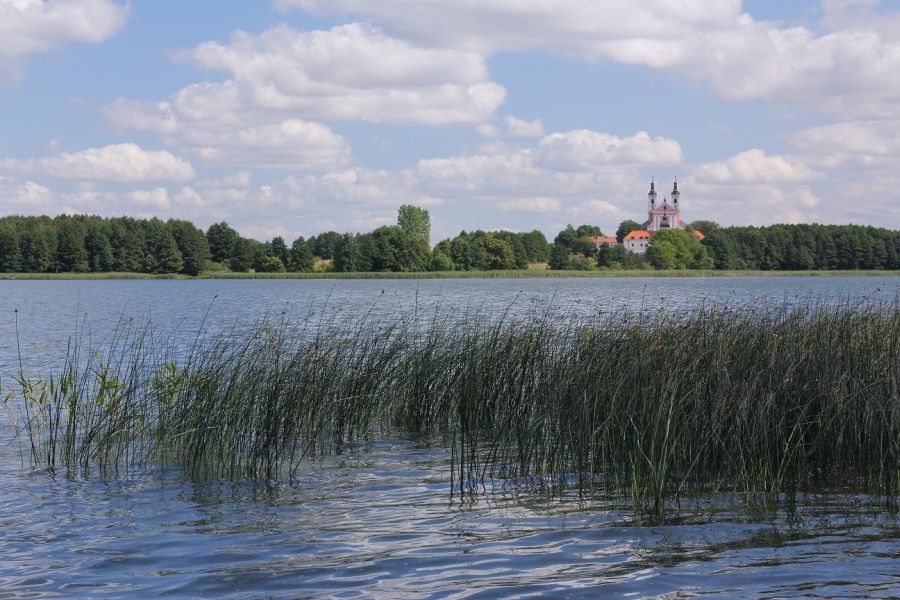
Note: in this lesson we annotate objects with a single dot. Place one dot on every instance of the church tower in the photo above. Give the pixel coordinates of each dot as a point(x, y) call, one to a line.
point(666, 215)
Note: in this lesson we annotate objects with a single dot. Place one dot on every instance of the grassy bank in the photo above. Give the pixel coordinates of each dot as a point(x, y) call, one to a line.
point(517, 274)
point(645, 408)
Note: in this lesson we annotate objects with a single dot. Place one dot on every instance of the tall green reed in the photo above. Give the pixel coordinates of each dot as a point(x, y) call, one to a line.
point(643, 406)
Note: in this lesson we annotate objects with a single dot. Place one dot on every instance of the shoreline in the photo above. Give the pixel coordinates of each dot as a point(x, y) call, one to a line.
point(516, 274)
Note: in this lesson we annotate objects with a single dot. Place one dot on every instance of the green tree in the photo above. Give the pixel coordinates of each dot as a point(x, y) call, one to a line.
point(559, 258)
point(99, 251)
point(626, 227)
point(268, 263)
point(498, 254)
point(192, 244)
point(10, 250)
point(302, 259)
point(126, 236)
point(347, 255)
point(415, 221)
point(536, 246)
point(71, 254)
point(326, 244)
point(278, 248)
point(677, 249)
point(440, 261)
point(221, 239)
point(37, 255)
point(705, 227)
point(588, 231)
point(243, 255)
point(162, 255)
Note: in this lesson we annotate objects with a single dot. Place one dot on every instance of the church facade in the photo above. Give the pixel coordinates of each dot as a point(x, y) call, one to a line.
point(665, 214)
point(660, 215)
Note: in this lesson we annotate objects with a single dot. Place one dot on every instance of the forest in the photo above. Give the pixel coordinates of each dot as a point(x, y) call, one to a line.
point(92, 244)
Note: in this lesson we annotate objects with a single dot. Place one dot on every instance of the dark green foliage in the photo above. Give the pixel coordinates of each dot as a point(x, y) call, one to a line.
point(243, 254)
point(162, 254)
point(126, 236)
point(37, 253)
point(347, 255)
point(301, 258)
point(84, 243)
point(492, 250)
point(71, 254)
point(267, 263)
point(10, 251)
point(278, 248)
point(559, 258)
point(99, 249)
point(705, 227)
point(221, 239)
point(536, 246)
point(645, 407)
point(801, 247)
point(626, 227)
point(192, 244)
point(618, 258)
point(326, 244)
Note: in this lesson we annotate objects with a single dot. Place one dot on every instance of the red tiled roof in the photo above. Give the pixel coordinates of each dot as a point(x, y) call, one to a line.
point(699, 235)
point(638, 234)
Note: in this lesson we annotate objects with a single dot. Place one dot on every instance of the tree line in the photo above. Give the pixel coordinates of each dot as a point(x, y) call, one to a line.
point(82, 243)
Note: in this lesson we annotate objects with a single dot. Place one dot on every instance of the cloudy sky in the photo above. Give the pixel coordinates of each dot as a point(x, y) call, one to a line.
point(289, 117)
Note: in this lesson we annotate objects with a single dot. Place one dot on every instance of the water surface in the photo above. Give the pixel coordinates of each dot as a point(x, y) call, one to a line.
point(379, 521)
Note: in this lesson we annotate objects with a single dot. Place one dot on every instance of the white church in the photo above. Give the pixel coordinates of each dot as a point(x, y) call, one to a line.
point(664, 215)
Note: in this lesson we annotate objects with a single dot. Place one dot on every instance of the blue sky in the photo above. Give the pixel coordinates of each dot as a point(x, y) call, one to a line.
point(292, 117)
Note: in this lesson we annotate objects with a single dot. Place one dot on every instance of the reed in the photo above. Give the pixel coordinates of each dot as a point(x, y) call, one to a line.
point(643, 406)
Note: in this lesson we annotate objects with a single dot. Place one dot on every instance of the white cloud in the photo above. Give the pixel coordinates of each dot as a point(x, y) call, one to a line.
point(37, 26)
point(351, 72)
point(118, 162)
point(512, 127)
point(516, 127)
point(866, 145)
point(754, 166)
point(582, 149)
point(292, 144)
point(757, 203)
point(849, 72)
point(156, 199)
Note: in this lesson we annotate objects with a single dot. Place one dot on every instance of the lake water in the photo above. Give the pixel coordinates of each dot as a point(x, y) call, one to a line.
point(379, 521)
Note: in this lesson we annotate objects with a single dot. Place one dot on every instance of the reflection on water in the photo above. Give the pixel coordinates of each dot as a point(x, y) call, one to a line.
point(380, 522)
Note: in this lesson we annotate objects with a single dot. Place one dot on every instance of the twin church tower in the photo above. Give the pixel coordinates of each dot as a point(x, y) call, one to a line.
point(663, 215)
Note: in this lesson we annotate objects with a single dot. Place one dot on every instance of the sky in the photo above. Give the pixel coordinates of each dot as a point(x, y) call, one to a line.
point(293, 117)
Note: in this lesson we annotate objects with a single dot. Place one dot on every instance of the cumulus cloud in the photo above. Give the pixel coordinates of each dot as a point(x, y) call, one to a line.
point(582, 149)
point(863, 145)
point(37, 26)
point(849, 72)
point(754, 166)
point(512, 127)
point(351, 72)
point(117, 162)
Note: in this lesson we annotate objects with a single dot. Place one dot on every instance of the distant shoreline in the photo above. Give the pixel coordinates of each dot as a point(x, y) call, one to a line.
point(517, 274)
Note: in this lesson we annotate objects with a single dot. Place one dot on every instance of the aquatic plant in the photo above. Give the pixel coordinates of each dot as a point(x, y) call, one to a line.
point(645, 406)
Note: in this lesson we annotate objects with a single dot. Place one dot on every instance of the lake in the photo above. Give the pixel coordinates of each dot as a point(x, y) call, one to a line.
point(379, 520)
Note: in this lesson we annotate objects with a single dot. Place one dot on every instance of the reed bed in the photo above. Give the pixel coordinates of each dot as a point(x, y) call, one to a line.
point(643, 406)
